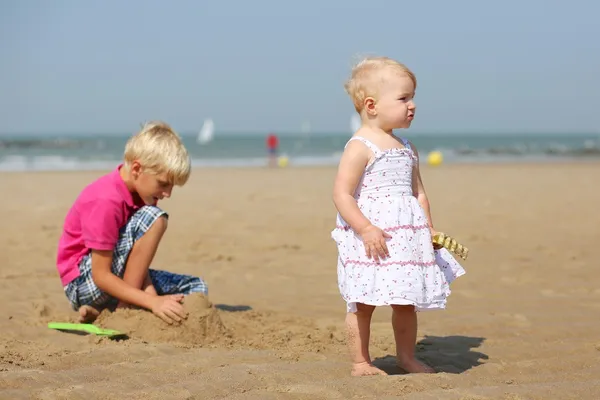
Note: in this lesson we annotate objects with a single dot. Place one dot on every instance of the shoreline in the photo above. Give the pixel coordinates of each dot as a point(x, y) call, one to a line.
point(423, 166)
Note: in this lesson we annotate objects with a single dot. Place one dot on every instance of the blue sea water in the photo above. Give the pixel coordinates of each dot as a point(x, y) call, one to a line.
point(89, 152)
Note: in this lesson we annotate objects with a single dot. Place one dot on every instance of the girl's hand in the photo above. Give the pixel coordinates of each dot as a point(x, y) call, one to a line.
point(433, 233)
point(375, 244)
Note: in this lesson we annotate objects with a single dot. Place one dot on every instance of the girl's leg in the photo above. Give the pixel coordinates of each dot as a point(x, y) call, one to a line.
point(404, 322)
point(358, 325)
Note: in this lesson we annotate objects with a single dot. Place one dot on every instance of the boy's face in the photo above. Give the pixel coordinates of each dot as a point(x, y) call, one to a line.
point(395, 106)
point(149, 186)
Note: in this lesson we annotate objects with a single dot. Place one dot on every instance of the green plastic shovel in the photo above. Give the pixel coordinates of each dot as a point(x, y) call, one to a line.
point(87, 328)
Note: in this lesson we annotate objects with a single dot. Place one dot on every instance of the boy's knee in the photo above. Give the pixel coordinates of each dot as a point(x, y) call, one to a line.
point(146, 219)
point(160, 224)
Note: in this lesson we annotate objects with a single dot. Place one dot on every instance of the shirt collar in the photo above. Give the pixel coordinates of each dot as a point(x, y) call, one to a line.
point(122, 187)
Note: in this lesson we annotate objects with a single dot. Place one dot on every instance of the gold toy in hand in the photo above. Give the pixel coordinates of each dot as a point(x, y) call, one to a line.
point(442, 240)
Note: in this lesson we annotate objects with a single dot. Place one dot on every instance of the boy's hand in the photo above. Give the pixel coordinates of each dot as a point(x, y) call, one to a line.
point(169, 308)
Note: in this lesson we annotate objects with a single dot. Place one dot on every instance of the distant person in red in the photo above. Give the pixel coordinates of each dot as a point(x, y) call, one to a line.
point(272, 147)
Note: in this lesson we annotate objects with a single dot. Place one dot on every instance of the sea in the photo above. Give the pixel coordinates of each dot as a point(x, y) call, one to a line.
point(103, 151)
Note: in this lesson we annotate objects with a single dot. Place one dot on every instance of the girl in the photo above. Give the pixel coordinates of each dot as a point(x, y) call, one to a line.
point(384, 228)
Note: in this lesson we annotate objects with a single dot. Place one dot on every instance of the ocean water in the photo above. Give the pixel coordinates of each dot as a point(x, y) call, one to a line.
point(89, 152)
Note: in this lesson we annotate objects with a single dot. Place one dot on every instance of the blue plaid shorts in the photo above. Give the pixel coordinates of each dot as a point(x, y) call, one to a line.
point(83, 291)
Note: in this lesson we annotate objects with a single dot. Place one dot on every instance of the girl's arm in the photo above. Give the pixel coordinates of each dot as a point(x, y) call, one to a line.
point(419, 190)
point(352, 166)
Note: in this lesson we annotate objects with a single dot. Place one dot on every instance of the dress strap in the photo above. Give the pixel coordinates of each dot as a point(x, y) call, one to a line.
point(406, 143)
point(367, 143)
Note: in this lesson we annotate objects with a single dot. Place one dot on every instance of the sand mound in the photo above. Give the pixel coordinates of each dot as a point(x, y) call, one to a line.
point(208, 326)
point(203, 325)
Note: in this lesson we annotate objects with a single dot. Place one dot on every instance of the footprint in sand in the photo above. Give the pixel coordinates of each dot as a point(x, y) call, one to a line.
point(518, 320)
point(551, 293)
point(509, 280)
point(469, 294)
point(473, 397)
point(314, 390)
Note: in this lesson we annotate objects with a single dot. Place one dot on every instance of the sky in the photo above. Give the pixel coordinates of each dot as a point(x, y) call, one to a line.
point(72, 66)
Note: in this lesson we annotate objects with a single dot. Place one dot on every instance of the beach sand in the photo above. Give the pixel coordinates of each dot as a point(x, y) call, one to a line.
point(523, 323)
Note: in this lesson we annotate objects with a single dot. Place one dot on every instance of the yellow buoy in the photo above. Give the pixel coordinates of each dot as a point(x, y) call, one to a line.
point(435, 158)
point(282, 161)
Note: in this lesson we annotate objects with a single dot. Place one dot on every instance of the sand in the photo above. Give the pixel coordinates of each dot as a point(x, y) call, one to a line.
point(521, 324)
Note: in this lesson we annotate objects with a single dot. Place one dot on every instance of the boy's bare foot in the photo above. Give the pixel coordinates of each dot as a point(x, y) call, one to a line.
point(415, 367)
point(88, 314)
point(123, 305)
point(366, 369)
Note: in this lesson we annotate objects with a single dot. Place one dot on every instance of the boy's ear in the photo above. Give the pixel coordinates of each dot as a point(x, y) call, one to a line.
point(135, 168)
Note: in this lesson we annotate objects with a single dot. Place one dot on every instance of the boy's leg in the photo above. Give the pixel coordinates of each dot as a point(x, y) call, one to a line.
point(142, 254)
point(166, 282)
point(88, 314)
point(148, 287)
point(358, 325)
point(138, 245)
point(139, 242)
point(83, 293)
point(404, 322)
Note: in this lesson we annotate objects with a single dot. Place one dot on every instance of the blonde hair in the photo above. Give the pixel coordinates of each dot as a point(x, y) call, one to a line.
point(159, 149)
point(363, 81)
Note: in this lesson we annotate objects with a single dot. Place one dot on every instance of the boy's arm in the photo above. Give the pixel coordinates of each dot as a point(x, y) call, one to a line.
point(352, 165)
point(419, 190)
point(101, 221)
point(115, 286)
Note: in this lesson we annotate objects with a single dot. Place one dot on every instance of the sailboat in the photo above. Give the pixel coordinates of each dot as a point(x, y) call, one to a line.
point(207, 132)
point(355, 123)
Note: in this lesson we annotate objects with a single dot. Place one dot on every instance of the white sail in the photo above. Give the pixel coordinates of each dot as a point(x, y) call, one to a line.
point(355, 123)
point(207, 132)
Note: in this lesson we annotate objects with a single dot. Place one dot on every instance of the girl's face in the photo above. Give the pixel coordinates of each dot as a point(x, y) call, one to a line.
point(394, 106)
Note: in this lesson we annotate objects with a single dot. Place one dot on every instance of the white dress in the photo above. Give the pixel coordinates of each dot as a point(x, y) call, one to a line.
point(414, 273)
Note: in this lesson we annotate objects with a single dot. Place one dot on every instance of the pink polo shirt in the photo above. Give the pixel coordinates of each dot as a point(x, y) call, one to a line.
point(93, 222)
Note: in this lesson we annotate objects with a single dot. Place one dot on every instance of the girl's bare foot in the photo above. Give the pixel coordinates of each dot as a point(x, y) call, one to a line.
point(88, 314)
point(414, 366)
point(366, 369)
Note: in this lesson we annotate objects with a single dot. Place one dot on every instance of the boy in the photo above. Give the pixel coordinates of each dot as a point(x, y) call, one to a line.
point(113, 229)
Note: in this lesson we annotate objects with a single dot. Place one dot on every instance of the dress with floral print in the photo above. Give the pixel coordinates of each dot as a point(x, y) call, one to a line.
point(414, 273)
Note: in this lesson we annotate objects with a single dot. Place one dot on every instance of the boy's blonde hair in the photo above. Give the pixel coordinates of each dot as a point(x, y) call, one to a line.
point(366, 76)
point(159, 149)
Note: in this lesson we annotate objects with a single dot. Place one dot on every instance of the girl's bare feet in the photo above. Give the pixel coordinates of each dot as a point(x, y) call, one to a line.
point(414, 366)
point(88, 314)
point(366, 369)
point(404, 322)
point(358, 326)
